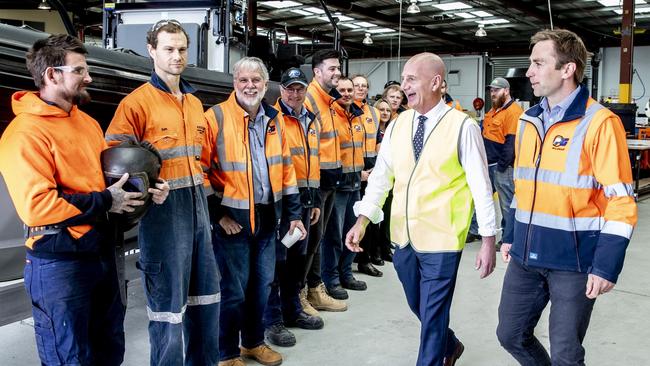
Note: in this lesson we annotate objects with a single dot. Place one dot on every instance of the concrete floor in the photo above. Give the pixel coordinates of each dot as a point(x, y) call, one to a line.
point(378, 329)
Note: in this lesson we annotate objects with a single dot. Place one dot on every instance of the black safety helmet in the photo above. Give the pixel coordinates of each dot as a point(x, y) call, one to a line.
point(142, 161)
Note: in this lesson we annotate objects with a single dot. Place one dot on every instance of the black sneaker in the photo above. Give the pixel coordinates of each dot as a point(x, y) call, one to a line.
point(278, 335)
point(472, 238)
point(306, 321)
point(337, 292)
point(354, 284)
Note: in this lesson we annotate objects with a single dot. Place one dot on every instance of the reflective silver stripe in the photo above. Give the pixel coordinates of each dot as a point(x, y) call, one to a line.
point(374, 117)
point(536, 121)
point(561, 223)
point(121, 137)
point(235, 203)
point(328, 134)
point(513, 204)
point(166, 316)
point(555, 177)
point(208, 190)
point(575, 145)
point(327, 165)
point(277, 196)
point(371, 135)
point(274, 160)
point(297, 151)
point(370, 154)
point(186, 181)
point(203, 299)
point(349, 144)
point(314, 106)
point(619, 190)
point(352, 169)
point(312, 183)
point(290, 190)
point(618, 228)
point(231, 166)
point(287, 161)
point(224, 165)
point(313, 151)
point(180, 151)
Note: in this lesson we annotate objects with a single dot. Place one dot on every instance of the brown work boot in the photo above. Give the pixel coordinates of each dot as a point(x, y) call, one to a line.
point(320, 300)
point(262, 354)
point(232, 362)
point(306, 306)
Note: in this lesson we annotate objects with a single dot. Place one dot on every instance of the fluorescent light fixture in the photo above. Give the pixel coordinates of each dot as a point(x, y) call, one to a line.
point(380, 30)
point(315, 10)
point(342, 18)
point(350, 25)
point(367, 40)
point(617, 2)
point(636, 10)
point(480, 32)
point(413, 8)
point(301, 12)
point(43, 5)
point(465, 15)
point(452, 6)
point(280, 4)
point(493, 21)
point(482, 14)
point(365, 24)
point(296, 38)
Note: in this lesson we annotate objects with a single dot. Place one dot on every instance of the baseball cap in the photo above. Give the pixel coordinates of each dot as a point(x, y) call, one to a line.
point(292, 76)
point(499, 83)
point(391, 82)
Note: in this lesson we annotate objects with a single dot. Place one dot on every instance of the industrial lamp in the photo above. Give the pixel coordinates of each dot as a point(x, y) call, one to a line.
point(367, 40)
point(480, 32)
point(413, 8)
point(43, 5)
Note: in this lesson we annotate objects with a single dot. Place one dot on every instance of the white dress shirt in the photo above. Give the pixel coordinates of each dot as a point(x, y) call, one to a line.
point(472, 158)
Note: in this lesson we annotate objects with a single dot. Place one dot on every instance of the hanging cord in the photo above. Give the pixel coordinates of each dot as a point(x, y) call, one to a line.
point(550, 15)
point(399, 41)
point(643, 85)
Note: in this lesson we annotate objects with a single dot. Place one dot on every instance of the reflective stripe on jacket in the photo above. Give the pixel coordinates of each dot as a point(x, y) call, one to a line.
point(177, 129)
point(432, 203)
point(575, 209)
point(351, 136)
point(370, 119)
point(231, 174)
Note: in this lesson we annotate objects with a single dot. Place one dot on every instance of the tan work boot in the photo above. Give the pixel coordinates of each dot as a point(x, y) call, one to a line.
point(306, 306)
point(232, 362)
point(320, 300)
point(262, 354)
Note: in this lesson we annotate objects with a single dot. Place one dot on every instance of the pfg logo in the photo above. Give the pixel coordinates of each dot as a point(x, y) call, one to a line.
point(294, 73)
point(560, 141)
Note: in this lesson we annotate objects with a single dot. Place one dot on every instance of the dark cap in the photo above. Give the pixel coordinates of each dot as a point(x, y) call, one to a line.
point(499, 83)
point(292, 76)
point(391, 82)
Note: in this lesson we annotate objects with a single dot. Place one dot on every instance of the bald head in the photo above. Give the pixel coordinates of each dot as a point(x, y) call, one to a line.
point(421, 81)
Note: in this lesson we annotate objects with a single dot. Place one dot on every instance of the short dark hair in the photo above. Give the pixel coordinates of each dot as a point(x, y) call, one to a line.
point(51, 51)
point(322, 55)
point(165, 25)
point(568, 48)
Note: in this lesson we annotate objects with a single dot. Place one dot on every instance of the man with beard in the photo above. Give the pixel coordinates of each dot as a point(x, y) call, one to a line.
point(255, 183)
point(50, 160)
point(337, 259)
point(499, 129)
point(179, 271)
point(321, 95)
point(434, 160)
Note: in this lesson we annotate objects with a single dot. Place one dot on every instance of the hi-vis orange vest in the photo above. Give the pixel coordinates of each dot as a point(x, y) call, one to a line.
point(370, 119)
point(351, 136)
point(231, 174)
point(176, 129)
point(322, 105)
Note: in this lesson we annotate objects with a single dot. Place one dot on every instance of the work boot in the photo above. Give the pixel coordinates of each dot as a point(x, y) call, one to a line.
point(306, 321)
point(320, 300)
point(354, 284)
point(306, 306)
point(233, 362)
point(262, 354)
point(280, 336)
point(337, 292)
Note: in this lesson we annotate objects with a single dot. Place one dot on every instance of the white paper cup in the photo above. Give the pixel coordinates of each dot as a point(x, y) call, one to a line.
point(290, 238)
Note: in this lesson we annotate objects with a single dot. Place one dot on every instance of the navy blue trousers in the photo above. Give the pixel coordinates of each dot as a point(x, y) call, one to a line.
point(429, 280)
point(336, 263)
point(78, 313)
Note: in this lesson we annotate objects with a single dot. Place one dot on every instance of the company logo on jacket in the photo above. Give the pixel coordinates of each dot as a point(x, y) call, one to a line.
point(560, 142)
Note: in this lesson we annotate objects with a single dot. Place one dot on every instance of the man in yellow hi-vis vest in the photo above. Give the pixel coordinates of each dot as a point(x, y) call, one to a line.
point(432, 207)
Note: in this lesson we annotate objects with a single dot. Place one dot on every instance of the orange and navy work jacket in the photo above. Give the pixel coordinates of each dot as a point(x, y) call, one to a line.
point(574, 200)
point(452, 103)
point(351, 137)
point(370, 119)
point(499, 130)
point(322, 104)
point(50, 162)
point(231, 173)
point(176, 129)
point(303, 145)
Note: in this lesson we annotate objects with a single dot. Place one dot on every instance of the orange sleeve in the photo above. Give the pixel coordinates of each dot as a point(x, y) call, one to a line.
point(128, 123)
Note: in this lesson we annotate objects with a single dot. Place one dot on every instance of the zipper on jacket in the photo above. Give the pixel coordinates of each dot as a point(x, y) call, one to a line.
point(538, 160)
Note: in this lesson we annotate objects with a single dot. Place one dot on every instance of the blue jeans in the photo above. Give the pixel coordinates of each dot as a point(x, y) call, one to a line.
point(181, 280)
point(284, 299)
point(429, 280)
point(503, 184)
point(526, 292)
point(247, 263)
point(337, 259)
point(312, 275)
point(78, 313)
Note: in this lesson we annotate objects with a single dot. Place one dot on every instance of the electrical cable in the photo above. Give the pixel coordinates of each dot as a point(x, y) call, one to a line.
point(643, 85)
point(550, 15)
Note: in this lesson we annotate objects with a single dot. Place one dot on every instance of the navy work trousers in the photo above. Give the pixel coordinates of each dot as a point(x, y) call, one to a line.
point(336, 263)
point(526, 292)
point(181, 280)
point(78, 313)
point(313, 261)
point(429, 280)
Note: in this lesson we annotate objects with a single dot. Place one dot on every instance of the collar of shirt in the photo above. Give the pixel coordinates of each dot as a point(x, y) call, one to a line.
point(302, 114)
point(550, 116)
point(259, 116)
point(433, 115)
point(184, 86)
